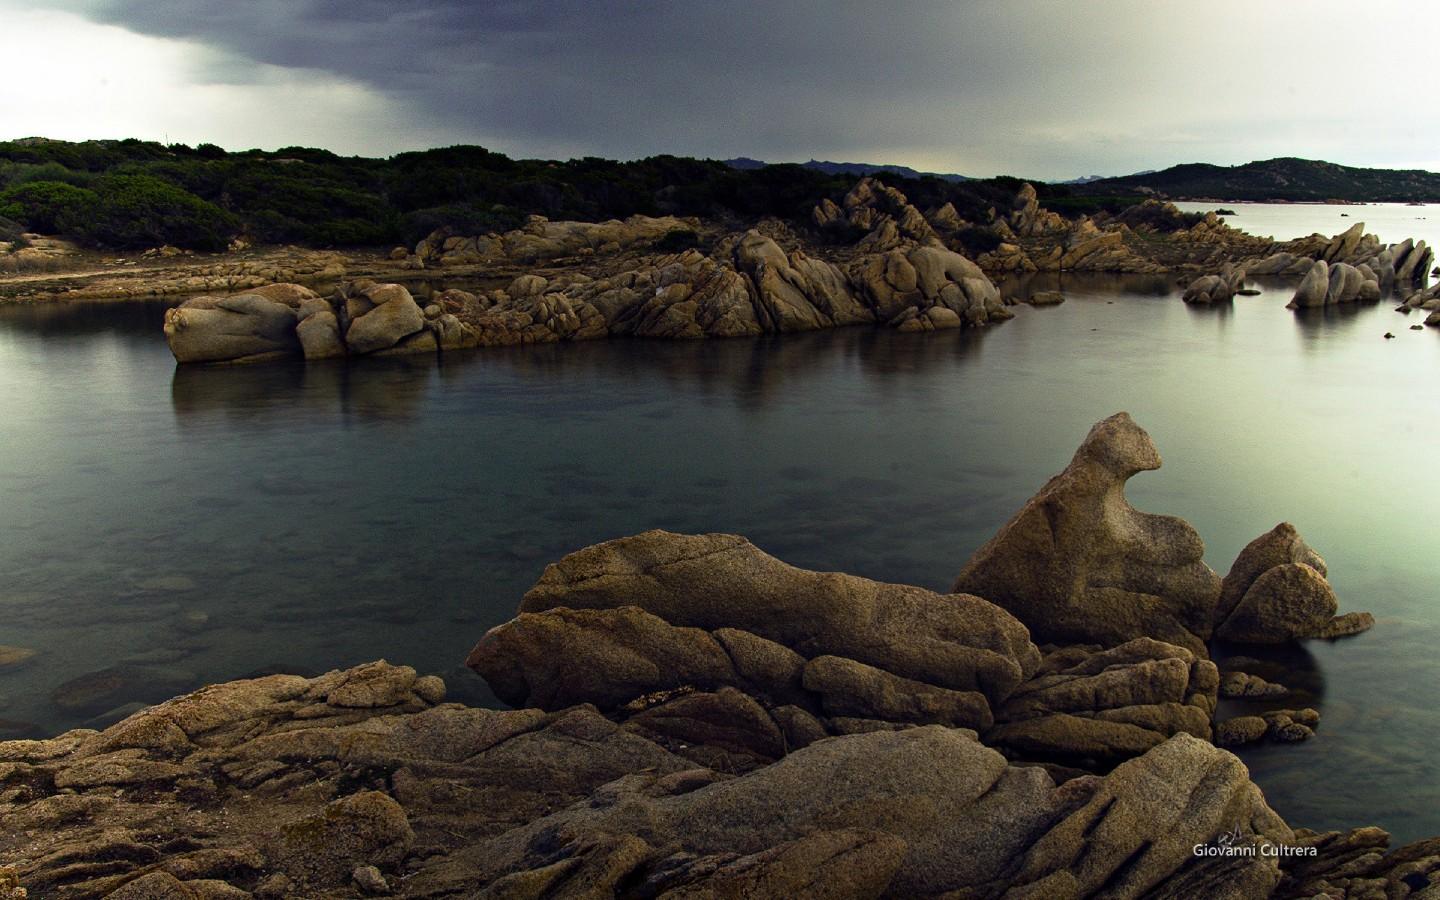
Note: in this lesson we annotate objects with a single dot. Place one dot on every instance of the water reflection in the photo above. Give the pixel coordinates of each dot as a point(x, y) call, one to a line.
point(382, 388)
point(754, 372)
point(1141, 284)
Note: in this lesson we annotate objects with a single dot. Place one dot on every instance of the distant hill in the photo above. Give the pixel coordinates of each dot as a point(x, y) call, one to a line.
point(745, 163)
point(1284, 178)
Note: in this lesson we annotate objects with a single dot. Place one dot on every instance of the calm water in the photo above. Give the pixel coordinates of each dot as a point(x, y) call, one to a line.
point(211, 523)
point(1391, 222)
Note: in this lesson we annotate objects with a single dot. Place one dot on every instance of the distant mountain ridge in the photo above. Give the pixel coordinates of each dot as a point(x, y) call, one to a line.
point(1285, 178)
point(850, 168)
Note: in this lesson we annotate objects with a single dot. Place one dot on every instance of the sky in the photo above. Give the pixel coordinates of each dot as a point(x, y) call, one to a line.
point(1048, 89)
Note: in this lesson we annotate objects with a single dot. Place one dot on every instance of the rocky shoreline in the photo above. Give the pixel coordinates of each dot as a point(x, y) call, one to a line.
point(905, 270)
point(695, 718)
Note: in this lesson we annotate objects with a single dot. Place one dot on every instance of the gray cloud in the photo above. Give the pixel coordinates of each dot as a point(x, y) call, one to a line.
point(1040, 87)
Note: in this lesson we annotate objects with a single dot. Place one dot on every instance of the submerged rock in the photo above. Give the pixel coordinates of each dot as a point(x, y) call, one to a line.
point(15, 657)
point(1078, 564)
point(1236, 684)
point(96, 692)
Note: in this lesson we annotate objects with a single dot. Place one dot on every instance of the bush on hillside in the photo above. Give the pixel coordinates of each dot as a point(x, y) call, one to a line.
point(49, 207)
point(460, 218)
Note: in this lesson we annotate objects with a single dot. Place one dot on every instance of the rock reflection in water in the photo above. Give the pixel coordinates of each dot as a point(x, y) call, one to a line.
point(754, 372)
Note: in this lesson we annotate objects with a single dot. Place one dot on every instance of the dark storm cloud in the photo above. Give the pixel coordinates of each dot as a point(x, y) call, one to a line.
point(1037, 87)
point(619, 78)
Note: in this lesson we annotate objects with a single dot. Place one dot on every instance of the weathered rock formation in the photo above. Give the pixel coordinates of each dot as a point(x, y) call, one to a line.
point(1339, 282)
point(1426, 299)
point(335, 786)
point(286, 320)
point(749, 286)
point(364, 781)
point(1078, 564)
point(1215, 288)
point(884, 215)
point(249, 327)
point(1276, 592)
point(722, 581)
point(1027, 218)
point(1092, 708)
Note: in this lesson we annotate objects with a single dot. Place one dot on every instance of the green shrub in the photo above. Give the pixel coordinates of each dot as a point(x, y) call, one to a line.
point(460, 218)
point(976, 240)
point(49, 207)
point(136, 211)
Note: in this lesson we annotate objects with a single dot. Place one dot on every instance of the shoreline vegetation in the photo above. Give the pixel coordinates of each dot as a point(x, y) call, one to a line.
point(692, 717)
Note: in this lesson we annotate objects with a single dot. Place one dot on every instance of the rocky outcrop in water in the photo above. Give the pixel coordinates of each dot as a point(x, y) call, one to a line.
point(749, 285)
point(288, 320)
point(1340, 282)
point(1078, 564)
point(1219, 288)
point(1276, 592)
point(1427, 299)
point(249, 327)
point(724, 582)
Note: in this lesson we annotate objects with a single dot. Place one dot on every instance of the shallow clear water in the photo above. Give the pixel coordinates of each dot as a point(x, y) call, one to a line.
point(216, 522)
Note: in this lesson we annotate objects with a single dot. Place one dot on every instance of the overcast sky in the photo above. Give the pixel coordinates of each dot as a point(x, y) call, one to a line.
point(1039, 88)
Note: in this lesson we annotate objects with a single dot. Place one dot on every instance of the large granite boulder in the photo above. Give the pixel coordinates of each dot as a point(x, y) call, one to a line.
point(281, 320)
point(716, 581)
point(1314, 287)
point(906, 285)
point(255, 326)
point(378, 316)
point(1215, 288)
point(797, 293)
point(1078, 564)
point(1412, 262)
point(1276, 592)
